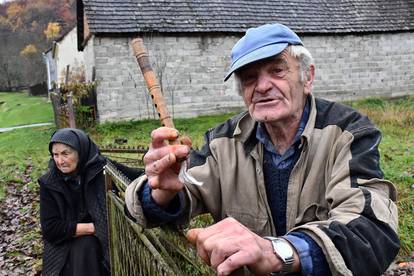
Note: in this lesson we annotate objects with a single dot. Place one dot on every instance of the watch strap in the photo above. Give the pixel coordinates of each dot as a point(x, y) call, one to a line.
point(287, 261)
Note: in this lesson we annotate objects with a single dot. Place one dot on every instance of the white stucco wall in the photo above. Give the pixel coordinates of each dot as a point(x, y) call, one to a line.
point(192, 69)
point(67, 54)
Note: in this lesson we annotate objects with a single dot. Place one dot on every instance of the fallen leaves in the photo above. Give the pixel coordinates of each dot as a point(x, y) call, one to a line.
point(20, 239)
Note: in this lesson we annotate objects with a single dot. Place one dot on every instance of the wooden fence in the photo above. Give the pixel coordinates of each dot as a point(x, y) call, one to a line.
point(138, 251)
point(65, 111)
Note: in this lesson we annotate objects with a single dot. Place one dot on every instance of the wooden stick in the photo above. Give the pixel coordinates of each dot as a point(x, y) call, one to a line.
point(141, 54)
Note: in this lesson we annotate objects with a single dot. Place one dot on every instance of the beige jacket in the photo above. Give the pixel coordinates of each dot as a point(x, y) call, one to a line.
point(336, 193)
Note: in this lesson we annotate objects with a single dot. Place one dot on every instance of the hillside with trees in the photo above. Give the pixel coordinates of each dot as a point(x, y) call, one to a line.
point(28, 28)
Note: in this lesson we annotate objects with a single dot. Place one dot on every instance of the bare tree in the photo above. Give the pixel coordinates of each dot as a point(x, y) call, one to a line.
point(9, 77)
point(167, 79)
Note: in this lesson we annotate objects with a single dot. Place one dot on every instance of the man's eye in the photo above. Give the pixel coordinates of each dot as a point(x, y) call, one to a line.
point(280, 72)
point(247, 79)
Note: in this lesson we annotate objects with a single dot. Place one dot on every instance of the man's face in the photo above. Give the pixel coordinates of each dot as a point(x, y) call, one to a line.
point(272, 89)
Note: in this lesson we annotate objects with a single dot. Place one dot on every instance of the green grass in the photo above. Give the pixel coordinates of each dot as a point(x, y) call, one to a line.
point(24, 147)
point(138, 133)
point(18, 109)
point(20, 149)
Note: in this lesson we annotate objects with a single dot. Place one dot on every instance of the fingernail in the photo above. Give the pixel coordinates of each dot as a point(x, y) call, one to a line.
point(176, 133)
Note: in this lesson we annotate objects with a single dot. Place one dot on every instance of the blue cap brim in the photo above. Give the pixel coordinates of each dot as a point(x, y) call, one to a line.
point(262, 53)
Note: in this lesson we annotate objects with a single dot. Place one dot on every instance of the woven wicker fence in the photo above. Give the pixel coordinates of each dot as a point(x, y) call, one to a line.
point(138, 251)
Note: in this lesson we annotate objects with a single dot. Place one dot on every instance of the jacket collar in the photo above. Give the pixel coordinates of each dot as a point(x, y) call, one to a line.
point(245, 131)
point(307, 132)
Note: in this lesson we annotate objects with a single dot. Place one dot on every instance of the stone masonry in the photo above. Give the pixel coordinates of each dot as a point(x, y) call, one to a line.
point(191, 71)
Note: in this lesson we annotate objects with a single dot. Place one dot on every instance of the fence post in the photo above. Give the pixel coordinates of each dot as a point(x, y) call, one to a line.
point(54, 98)
point(71, 111)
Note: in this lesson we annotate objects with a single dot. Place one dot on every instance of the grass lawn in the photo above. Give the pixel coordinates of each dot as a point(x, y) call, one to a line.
point(28, 147)
point(17, 108)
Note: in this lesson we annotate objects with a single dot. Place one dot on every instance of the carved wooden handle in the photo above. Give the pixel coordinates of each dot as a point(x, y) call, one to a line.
point(141, 54)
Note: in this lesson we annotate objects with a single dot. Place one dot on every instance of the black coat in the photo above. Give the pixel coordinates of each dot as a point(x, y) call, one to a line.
point(60, 211)
point(58, 216)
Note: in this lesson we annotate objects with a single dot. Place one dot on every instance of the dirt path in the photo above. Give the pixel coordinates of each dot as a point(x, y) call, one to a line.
point(4, 129)
point(20, 243)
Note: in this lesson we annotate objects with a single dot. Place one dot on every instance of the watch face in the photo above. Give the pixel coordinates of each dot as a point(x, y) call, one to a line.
point(284, 249)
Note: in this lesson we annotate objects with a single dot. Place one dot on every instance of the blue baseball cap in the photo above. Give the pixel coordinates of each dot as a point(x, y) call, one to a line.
point(259, 43)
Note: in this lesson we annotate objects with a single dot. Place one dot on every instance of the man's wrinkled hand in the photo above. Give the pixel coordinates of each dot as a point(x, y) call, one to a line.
point(162, 163)
point(228, 245)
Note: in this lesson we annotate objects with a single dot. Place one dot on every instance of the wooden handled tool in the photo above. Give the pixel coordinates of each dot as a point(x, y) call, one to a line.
point(141, 54)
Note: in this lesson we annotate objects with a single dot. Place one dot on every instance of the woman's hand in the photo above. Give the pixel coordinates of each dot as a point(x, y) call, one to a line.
point(83, 229)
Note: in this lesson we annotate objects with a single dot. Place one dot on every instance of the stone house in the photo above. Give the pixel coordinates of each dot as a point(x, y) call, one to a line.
point(362, 48)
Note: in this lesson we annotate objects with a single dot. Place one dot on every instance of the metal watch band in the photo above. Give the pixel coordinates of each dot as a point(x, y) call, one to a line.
point(287, 261)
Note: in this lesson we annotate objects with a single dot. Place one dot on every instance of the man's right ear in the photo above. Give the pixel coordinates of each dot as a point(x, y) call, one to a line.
point(310, 76)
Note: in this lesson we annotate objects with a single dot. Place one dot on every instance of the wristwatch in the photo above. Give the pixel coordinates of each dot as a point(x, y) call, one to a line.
point(284, 251)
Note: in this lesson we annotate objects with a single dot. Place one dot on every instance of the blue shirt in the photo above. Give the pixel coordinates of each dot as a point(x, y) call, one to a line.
point(312, 259)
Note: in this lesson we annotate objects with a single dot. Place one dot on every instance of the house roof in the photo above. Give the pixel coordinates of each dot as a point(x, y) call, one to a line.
point(231, 16)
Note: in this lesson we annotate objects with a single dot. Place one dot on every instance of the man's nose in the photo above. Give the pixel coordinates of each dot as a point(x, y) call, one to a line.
point(264, 83)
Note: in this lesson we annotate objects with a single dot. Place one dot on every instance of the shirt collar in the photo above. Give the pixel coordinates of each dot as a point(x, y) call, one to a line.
point(263, 136)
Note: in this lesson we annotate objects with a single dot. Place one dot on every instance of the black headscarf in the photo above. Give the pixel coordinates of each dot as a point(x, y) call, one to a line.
point(78, 140)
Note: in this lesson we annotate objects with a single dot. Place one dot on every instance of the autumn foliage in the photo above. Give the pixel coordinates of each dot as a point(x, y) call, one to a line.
point(29, 51)
point(27, 28)
point(52, 31)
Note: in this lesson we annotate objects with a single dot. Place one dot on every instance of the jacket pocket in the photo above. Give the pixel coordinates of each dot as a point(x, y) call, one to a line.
point(256, 223)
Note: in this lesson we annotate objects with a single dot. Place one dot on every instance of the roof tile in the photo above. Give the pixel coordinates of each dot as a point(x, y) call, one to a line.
point(303, 16)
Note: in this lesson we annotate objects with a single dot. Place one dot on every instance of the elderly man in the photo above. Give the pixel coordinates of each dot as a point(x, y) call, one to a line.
point(294, 184)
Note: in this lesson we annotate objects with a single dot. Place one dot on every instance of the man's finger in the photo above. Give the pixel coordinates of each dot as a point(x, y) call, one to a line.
point(192, 235)
point(185, 140)
point(158, 166)
point(233, 265)
point(193, 238)
point(154, 182)
point(162, 134)
point(180, 151)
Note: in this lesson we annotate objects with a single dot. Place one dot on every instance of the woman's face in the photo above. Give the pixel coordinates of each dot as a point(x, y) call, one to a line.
point(65, 157)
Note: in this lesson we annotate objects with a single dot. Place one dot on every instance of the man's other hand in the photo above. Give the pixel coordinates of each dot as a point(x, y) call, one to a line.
point(229, 245)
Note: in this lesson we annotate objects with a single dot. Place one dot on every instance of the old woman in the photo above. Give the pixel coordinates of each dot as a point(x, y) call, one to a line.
point(73, 206)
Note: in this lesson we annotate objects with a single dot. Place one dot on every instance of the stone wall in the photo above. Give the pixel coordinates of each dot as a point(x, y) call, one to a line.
point(351, 67)
point(191, 71)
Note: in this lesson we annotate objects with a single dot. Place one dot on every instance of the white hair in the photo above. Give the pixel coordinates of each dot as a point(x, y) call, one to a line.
point(304, 57)
point(299, 52)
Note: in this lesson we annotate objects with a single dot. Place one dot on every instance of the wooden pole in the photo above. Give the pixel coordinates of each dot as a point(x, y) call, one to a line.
point(71, 111)
point(141, 54)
